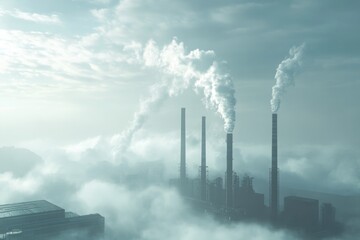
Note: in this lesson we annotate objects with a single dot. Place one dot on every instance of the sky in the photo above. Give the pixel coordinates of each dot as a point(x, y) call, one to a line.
point(99, 84)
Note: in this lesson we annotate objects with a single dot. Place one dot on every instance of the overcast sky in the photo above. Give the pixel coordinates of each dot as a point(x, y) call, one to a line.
point(76, 72)
point(66, 74)
point(70, 70)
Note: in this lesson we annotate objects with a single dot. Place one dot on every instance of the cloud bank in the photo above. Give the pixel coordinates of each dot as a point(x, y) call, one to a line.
point(139, 204)
point(134, 207)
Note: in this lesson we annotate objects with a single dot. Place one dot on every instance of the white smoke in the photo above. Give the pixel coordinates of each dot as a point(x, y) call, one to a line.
point(182, 70)
point(158, 93)
point(219, 93)
point(285, 75)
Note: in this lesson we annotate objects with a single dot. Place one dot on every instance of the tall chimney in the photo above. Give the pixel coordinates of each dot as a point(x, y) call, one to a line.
point(274, 182)
point(203, 159)
point(183, 153)
point(229, 170)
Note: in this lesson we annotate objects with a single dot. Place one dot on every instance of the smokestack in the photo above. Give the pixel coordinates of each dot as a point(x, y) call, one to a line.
point(183, 153)
point(229, 170)
point(274, 182)
point(203, 159)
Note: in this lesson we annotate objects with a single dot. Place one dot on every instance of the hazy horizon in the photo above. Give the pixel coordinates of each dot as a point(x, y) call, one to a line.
point(91, 92)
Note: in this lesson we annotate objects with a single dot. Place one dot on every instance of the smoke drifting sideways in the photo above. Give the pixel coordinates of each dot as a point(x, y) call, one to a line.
point(181, 70)
point(285, 75)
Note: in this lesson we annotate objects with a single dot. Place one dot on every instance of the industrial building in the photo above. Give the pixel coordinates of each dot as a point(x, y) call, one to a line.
point(42, 220)
point(233, 199)
point(248, 200)
point(227, 196)
point(327, 215)
point(301, 213)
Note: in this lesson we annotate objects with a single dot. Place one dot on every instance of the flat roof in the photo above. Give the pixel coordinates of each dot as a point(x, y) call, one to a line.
point(303, 199)
point(27, 208)
point(70, 215)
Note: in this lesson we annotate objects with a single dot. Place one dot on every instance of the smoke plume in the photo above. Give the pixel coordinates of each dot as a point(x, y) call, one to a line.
point(285, 75)
point(157, 95)
point(219, 93)
point(181, 70)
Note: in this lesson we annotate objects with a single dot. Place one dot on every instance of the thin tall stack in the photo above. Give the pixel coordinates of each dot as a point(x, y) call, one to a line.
point(229, 170)
point(274, 181)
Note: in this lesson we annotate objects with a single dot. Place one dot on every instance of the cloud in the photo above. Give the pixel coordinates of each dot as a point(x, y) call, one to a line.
point(104, 2)
point(324, 166)
point(32, 17)
point(320, 168)
point(150, 211)
point(142, 20)
point(37, 63)
point(124, 23)
point(140, 203)
point(158, 212)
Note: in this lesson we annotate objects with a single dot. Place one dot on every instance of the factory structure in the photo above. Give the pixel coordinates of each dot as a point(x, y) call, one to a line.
point(42, 220)
point(228, 198)
point(236, 200)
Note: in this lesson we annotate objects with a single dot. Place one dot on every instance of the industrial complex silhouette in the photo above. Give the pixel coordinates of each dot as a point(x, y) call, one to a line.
point(236, 200)
point(228, 199)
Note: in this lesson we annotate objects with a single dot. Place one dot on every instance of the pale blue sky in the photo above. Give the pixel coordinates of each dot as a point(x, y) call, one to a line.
point(70, 70)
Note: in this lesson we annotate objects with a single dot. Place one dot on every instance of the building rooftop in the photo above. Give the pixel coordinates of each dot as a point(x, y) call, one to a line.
point(27, 208)
point(70, 215)
point(302, 199)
